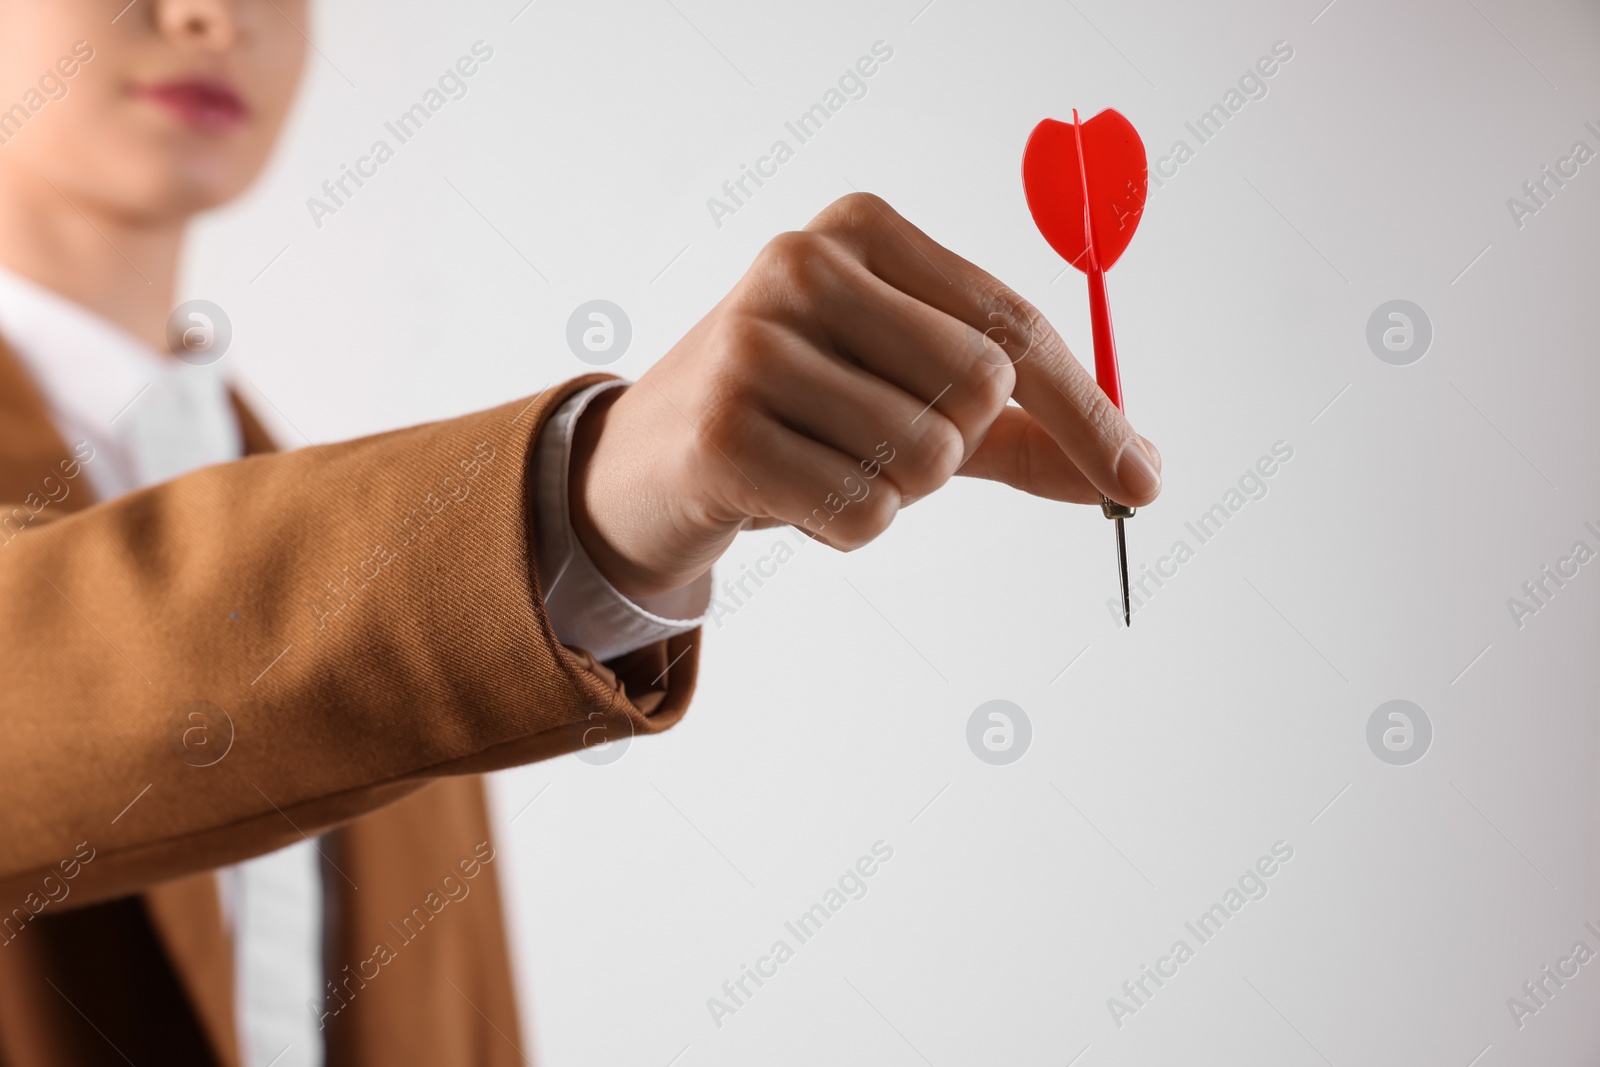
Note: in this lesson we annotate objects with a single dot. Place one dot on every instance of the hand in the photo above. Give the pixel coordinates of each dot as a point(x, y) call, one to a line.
point(855, 368)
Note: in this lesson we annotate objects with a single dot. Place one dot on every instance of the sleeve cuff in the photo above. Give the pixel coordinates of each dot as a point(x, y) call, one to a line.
point(586, 611)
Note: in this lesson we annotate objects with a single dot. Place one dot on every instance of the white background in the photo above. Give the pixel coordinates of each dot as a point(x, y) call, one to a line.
point(834, 704)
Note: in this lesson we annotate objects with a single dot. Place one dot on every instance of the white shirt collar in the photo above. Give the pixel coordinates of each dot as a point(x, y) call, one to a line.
point(87, 367)
point(148, 416)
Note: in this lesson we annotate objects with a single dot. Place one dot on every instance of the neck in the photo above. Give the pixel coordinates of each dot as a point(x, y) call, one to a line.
point(123, 269)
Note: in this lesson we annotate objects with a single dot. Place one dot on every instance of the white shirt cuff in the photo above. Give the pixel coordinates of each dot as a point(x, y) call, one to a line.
point(585, 610)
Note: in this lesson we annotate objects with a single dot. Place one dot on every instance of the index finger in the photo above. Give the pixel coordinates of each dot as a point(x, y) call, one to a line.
point(1051, 385)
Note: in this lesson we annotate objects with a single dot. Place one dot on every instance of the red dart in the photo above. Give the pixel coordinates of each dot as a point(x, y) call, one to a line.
point(1086, 184)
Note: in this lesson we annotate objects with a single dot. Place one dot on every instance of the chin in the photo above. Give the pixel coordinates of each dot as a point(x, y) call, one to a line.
point(170, 189)
point(202, 188)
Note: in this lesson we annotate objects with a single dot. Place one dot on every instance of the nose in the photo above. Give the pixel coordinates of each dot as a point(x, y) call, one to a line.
point(210, 25)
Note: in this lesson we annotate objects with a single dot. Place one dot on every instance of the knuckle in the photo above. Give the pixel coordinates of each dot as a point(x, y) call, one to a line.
point(1048, 347)
point(881, 507)
point(725, 421)
point(946, 449)
point(741, 340)
point(797, 260)
point(1017, 327)
point(935, 454)
point(726, 403)
point(855, 211)
point(788, 247)
point(854, 513)
point(740, 349)
point(859, 206)
point(990, 386)
point(1035, 335)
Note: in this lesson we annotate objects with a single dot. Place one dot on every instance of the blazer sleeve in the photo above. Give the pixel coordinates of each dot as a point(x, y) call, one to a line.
point(213, 667)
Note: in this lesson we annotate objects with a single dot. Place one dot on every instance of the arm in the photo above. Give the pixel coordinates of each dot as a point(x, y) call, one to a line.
point(367, 615)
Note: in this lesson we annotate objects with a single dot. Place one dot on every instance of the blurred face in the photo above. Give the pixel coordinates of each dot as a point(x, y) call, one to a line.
point(156, 109)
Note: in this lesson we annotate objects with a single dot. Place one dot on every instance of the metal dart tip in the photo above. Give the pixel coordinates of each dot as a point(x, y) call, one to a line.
point(1113, 510)
point(1122, 565)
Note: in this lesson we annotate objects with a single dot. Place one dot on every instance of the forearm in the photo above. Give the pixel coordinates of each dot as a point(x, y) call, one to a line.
point(368, 615)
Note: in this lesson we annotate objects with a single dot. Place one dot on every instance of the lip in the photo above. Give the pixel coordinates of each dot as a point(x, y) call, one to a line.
point(208, 105)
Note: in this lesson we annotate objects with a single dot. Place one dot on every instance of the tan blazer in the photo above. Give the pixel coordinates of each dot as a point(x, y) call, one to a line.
point(368, 617)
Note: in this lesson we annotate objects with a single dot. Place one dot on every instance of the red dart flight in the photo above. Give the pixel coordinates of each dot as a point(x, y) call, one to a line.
point(1086, 184)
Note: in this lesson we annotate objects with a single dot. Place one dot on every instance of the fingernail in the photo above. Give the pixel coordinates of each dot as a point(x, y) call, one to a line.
point(1152, 451)
point(1136, 473)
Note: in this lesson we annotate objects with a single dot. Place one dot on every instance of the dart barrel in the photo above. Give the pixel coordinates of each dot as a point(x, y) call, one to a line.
point(1113, 510)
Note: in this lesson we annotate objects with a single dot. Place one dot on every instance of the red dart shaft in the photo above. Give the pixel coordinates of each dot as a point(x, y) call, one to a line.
point(1105, 342)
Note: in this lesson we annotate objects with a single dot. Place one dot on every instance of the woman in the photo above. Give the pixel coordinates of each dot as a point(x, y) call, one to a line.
point(211, 659)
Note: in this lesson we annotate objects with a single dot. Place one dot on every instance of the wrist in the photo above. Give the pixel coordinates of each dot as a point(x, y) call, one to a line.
point(592, 500)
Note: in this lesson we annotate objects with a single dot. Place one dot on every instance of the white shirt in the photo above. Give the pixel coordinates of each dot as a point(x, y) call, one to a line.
point(151, 418)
